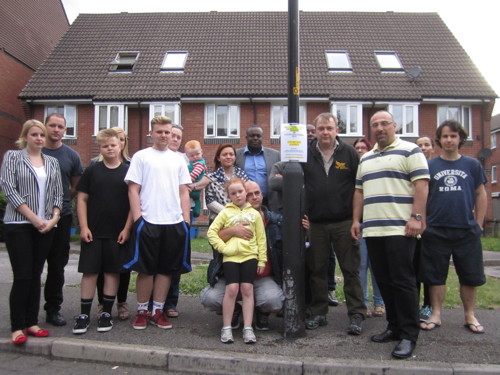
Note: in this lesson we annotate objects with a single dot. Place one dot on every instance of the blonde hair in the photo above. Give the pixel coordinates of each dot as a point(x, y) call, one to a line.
point(124, 152)
point(192, 145)
point(21, 142)
point(105, 134)
point(160, 120)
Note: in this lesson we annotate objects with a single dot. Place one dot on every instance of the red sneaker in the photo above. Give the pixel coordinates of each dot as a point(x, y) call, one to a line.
point(160, 320)
point(141, 319)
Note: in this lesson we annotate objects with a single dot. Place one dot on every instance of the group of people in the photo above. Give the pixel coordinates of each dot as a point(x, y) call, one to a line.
point(390, 209)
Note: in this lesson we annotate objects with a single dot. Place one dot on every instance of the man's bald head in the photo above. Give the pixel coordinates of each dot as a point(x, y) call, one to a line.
point(254, 194)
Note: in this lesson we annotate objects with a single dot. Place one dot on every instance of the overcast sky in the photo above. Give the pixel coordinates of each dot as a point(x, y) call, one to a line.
point(474, 24)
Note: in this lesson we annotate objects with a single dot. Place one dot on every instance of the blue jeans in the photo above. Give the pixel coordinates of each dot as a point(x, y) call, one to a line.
point(363, 274)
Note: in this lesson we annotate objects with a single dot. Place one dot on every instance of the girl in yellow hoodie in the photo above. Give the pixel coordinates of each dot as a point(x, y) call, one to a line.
point(242, 258)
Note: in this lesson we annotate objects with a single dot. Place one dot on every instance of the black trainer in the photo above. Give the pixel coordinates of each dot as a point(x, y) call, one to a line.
point(81, 324)
point(105, 323)
point(261, 321)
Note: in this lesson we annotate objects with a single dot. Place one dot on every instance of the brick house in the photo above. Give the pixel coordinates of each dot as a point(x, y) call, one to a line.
point(217, 73)
point(494, 168)
point(28, 32)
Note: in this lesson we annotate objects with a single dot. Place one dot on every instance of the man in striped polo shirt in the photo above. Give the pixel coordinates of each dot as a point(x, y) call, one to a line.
point(390, 196)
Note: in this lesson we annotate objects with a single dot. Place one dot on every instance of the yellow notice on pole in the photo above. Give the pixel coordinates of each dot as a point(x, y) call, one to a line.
point(294, 142)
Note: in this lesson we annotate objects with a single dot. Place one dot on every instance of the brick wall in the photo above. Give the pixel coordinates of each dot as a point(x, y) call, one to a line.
point(251, 113)
point(13, 77)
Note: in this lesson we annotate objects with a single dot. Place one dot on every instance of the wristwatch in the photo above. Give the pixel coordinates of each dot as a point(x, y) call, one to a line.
point(417, 217)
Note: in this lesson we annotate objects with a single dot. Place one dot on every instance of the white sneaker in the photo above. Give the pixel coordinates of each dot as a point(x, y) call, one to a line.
point(226, 335)
point(249, 336)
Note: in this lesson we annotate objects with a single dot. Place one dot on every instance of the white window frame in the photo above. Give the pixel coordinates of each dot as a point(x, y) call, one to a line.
point(494, 174)
point(493, 141)
point(233, 120)
point(122, 118)
point(404, 121)
point(351, 108)
point(332, 67)
point(165, 109)
point(178, 66)
point(465, 114)
point(71, 120)
point(388, 66)
point(124, 61)
point(279, 116)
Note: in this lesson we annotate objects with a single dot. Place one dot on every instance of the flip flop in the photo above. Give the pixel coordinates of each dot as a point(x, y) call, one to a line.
point(429, 326)
point(476, 326)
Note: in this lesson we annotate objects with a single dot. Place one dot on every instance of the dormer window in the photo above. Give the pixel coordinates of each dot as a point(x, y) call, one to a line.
point(338, 61)
point(389, 62)
point(174, 61)
point(124, 61)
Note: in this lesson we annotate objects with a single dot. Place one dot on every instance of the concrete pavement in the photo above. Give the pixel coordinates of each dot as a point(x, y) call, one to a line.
point(193, 345)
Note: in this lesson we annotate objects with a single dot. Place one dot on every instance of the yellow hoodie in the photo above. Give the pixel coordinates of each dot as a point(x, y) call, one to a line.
point(237, 249)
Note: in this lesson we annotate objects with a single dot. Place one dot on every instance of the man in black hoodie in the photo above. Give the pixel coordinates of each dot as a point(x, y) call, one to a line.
point(329, 176)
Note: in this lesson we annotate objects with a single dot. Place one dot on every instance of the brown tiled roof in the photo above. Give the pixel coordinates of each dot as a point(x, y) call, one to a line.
point(244, 54)
point(29, 30)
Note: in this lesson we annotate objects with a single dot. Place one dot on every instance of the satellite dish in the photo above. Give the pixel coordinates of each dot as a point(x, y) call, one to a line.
point(484, 154)
point(414, 72)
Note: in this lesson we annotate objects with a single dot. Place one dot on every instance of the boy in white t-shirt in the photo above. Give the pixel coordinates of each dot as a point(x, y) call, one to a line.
point(159, 201)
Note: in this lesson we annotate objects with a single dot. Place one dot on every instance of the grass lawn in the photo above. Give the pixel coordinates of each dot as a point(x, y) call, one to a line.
point(491, 243)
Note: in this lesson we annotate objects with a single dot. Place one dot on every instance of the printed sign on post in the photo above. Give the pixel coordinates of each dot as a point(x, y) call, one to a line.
point(294, 142)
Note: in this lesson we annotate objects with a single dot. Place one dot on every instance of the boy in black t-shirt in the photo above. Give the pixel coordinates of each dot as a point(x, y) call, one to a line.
point(105, 221)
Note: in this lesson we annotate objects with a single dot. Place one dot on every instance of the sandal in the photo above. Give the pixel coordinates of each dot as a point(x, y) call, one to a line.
point(379, 311)
point(123, 313)
point(369, 313)
point(172, 313)
point(20, 338)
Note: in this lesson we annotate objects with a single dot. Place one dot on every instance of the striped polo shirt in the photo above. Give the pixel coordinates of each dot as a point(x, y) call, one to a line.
point(386, 178)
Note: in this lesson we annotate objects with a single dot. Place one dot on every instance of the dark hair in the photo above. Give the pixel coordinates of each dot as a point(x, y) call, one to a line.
point(455, 127)
point(429, 138)
point(218, 152)
point(55, 114)
point(365, 141)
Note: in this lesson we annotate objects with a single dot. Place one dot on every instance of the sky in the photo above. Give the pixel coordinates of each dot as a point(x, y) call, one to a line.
point(475, 25)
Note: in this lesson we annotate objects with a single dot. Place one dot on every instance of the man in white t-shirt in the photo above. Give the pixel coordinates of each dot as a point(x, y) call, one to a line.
point(159, 201)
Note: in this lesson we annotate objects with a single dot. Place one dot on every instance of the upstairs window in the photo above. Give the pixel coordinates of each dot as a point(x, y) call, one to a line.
point(493, 143)
point(349, 116)
point(124, 61)
point(222, 120)
point(406, 117)
point(494, 174)
point(69, 113)
point(110, 115)
point(338, 61)
point(174, 61)
point(279, 115)
point(389, 62)
point(462, 114)
point(171, 110)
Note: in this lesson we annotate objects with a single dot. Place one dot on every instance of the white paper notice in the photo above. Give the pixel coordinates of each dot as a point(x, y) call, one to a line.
point(294, 142)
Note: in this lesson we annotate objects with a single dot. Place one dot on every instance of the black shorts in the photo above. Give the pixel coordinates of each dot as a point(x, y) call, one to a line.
point(159, 249)
point(462, 245)
point(240, 272)
point(101, 255)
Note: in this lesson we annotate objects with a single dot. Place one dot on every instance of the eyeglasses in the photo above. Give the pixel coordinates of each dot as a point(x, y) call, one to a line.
point(383, 123)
